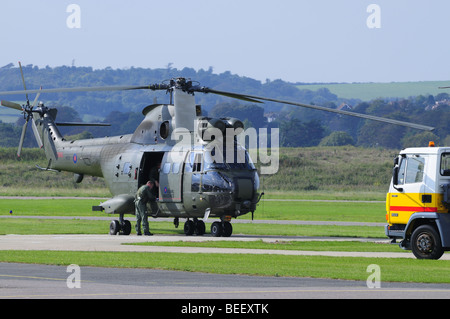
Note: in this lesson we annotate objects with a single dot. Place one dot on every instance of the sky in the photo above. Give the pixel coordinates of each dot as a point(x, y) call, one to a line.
point(292, 40)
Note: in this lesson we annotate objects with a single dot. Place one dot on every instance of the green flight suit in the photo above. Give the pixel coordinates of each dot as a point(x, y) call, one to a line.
point(143, 196)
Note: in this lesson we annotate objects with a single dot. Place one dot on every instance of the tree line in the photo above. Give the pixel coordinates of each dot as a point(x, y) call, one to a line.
point(298, 127)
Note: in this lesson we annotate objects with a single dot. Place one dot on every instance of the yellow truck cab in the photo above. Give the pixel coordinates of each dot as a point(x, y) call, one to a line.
point(418, 201)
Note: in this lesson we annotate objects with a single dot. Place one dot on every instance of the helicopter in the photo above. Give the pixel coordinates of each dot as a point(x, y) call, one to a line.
point(203, 170)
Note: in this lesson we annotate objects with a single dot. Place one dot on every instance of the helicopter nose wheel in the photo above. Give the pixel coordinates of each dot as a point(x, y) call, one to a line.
point(121, 227)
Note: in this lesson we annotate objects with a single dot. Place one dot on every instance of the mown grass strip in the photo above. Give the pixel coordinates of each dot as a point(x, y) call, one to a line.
point(267, 210)
point(26, 226)
point(285, 245)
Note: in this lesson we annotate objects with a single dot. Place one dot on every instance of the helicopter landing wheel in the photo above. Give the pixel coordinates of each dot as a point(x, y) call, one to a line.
point(189, 227)
point(114, 227)
point(227, 229)
point(216, 229)
point(121, 228)
point(200, 227)
point(221, 229)
point(125, 228)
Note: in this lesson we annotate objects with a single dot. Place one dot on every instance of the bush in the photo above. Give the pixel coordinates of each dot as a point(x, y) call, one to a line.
point(337, 139)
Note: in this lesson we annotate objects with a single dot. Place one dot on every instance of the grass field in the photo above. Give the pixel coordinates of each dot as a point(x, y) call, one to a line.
point(353, 268)
point(343, 173)
point(79, 226)
point(277, 210)
point(371, 91)
point(267, 210)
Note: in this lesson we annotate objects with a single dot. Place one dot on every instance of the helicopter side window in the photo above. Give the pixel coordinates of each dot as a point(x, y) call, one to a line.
point(176, 168)
point(166, 168)
point(126, 168)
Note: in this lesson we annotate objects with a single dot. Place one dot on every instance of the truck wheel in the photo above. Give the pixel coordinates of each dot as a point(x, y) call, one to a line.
point(426, 243)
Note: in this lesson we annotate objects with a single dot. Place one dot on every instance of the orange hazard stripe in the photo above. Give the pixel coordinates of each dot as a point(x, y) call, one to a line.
point(413, 209)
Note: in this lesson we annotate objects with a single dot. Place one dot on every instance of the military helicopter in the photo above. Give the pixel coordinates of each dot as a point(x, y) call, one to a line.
point(198, 178)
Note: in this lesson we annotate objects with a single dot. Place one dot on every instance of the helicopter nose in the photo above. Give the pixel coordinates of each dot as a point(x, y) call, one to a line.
point(246, 204)
point(244, 189)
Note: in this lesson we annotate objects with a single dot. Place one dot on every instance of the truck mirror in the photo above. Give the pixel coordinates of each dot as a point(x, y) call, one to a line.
point(395, 178)
point(395, 175)
point(396, 160)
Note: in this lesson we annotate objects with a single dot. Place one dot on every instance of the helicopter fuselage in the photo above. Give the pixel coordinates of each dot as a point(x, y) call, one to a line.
point(192, 182)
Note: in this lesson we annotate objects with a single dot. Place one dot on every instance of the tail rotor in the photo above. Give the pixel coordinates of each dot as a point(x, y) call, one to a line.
point(27, 111)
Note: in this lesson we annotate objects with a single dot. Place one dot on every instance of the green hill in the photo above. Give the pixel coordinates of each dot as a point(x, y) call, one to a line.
point(331, 170)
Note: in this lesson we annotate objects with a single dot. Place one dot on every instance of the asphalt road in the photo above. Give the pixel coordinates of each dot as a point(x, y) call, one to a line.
point(43, 281)
point(18, 281)
point(40, 281)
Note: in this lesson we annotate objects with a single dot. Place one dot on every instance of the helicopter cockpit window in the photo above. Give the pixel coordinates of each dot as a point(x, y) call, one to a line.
point(189, 163)
point(214, 159)
point(240, 159)
point(197, 165)
point(216, 182)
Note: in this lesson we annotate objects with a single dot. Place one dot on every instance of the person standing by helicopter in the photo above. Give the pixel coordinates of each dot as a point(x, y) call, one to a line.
point(154, 177)
point(143, 196)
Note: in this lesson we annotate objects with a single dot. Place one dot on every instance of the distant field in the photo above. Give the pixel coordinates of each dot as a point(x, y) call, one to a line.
point(370, 91)
point(9, 115)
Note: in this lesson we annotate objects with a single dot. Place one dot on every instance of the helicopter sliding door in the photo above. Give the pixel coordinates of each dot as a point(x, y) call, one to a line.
point(171, 177)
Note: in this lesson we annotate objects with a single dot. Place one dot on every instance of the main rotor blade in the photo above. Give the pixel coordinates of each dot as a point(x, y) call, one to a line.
point(229, 94)
point(153, 87)
point(24, 85)
point(36, 99)
point(360, 115)
point(22, 137)
point(11, 105)
point(36, 134)
point(81, 124)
